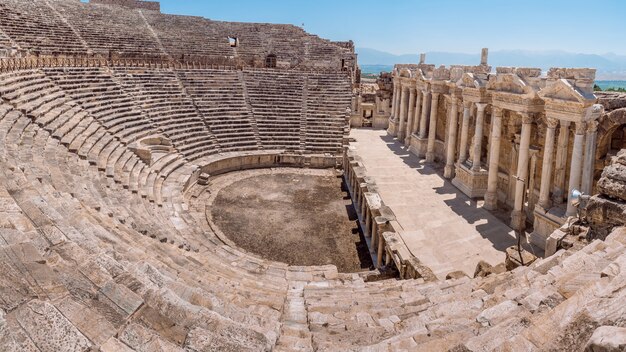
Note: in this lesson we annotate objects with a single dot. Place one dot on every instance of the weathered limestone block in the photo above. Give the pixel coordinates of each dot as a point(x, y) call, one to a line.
point(604, 214)
point(613, 180)
point(513, 258)
point(485, 269)
point(122, 297)
point(141, 339)
point(500, 312)
point(49, 329)
point(164, 326)
point(14, 287)
point(114, 345)
point(456, 275)
point(607, 339)
point(96, 327)
point(205, 340)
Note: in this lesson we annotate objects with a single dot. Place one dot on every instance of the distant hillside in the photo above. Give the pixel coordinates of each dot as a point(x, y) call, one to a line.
point(609, 66)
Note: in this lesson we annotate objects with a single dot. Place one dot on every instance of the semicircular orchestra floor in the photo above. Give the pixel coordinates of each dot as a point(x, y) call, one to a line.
point(296, 216)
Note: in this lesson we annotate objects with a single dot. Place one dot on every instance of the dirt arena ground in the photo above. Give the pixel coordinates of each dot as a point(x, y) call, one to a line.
point(294, 218)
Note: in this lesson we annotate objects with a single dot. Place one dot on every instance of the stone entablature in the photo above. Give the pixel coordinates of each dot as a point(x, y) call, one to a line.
point(496, 134)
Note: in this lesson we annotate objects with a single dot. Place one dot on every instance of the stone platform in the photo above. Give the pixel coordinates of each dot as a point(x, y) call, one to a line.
point(441, 226)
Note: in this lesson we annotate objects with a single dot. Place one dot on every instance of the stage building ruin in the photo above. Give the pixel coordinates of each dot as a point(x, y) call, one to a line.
point(520, 140)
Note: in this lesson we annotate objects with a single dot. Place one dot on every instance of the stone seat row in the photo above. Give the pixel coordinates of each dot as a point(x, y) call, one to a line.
point(112, 96)
point(529, 308)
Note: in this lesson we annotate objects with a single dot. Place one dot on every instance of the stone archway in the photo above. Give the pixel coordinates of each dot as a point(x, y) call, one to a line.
point(609, 124)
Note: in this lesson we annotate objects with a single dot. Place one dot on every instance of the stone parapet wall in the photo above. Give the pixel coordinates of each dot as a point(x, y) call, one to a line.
point(9, 64)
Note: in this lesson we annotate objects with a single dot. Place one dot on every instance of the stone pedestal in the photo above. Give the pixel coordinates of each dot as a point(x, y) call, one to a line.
point(472, 183)
point(545, 223)
point(418, 146)
point(516, 259)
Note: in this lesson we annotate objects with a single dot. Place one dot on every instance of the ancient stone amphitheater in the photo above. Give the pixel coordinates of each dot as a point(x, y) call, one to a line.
point(118, 127)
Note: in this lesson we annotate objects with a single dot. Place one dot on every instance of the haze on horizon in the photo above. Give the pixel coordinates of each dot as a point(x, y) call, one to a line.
point(460, 26)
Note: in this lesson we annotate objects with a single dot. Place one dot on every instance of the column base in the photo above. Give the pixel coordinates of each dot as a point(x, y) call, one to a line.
point(491, 201)
point(407, 140)
point(418, 145)
point(472, 183)
point(448, 171)
point(400, 135)
point(518, 220)
point(430, 157)
point(393, 128)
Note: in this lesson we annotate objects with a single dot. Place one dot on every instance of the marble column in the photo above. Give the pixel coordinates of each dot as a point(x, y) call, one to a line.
point(380, 251)
point(575, 166)
point(464, 131)
point(448, 170)
point(418, 111)
point(396, 102)
point(397, 93)
point(590, 158)
point(518, 217)
point(432, 130)
point(546, 168)
point(424, 116)
point(491, 196)
point(404, 97)
point(478, 136)
point(561, 163)
point(409, 123)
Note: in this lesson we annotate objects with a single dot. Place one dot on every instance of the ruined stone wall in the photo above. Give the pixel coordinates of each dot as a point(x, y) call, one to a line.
point(607, 209)
point(133, 4)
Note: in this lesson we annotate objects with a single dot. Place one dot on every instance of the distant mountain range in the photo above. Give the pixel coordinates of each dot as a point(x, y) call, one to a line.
point(610, 66)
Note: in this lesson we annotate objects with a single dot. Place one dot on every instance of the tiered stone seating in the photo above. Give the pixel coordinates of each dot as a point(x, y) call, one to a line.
point(110, 28)
point(327, 98)
point(276, 99)
point(96, 216)
point(34, 26)
point(163, 98)
point(530, 308)
point(96, 91)
point(220, 98)
point(189, 36)
point(78, 28)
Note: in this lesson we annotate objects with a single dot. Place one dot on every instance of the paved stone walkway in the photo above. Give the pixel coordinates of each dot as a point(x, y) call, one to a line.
point(442, 227)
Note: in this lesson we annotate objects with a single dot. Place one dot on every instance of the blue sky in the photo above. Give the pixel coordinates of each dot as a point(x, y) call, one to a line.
point(412, 26)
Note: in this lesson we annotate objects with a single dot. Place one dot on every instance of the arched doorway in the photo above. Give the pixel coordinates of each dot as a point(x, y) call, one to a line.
point(270, 61)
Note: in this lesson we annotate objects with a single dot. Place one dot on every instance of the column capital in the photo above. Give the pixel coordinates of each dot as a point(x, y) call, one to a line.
point(496, 111)
point(551, 122)
point(483, 106)
point(592, 126)
point(581, 127)
point(467, 104)
point(527, 118)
